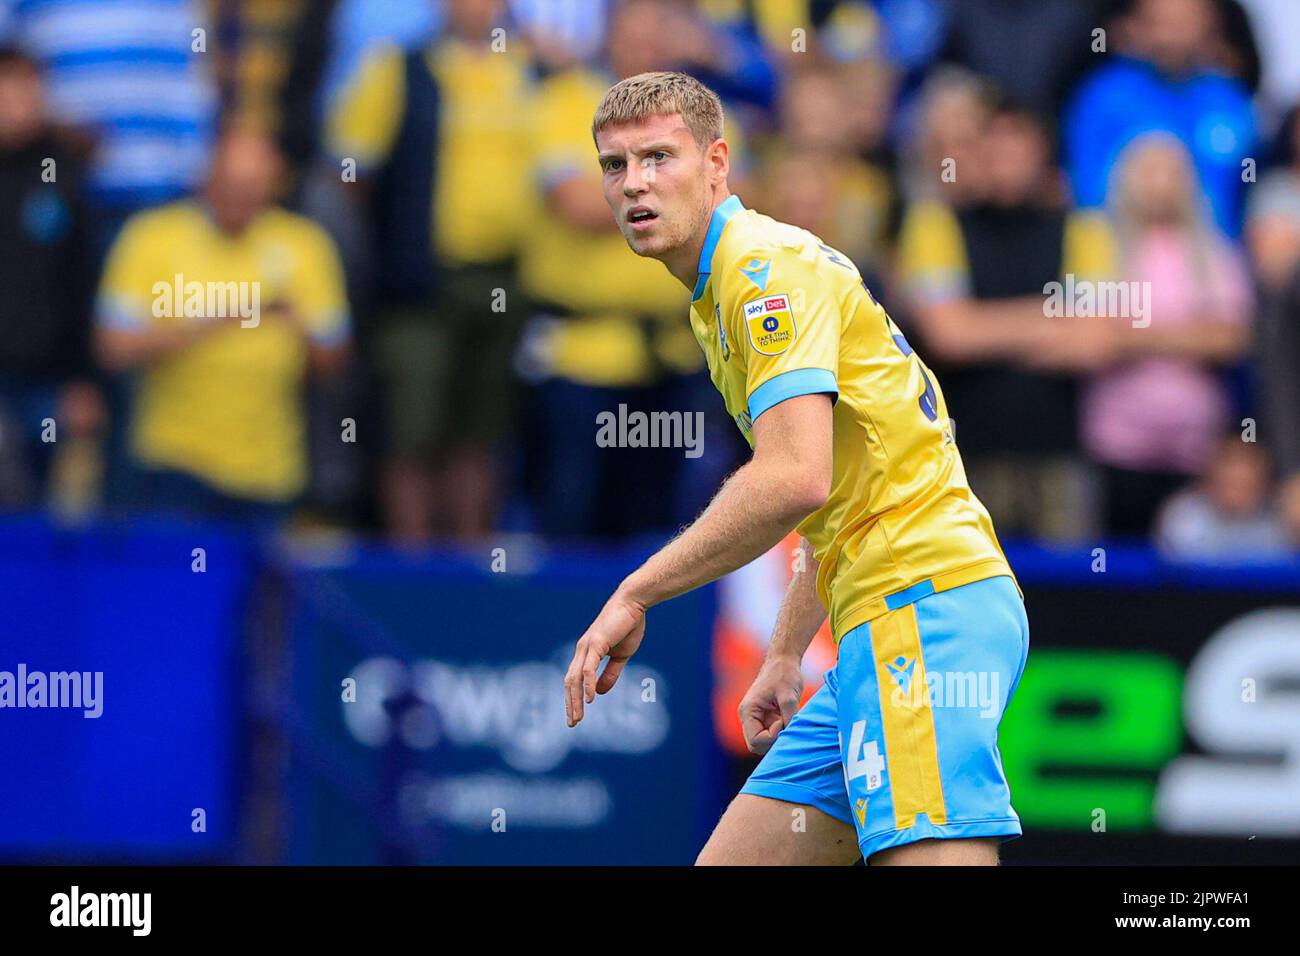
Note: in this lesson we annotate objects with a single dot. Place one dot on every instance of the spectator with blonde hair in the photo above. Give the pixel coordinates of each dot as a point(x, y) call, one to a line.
point(943, 164)
point(1152, 417)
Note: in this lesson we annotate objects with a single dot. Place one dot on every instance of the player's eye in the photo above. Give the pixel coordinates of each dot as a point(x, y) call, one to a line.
point(659, 155)
point(613, 165)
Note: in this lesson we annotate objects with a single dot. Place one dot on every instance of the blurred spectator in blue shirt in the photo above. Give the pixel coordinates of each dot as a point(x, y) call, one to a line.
point(1163, 83)
point(724, 53)
point(914, 30)
point(130, 74)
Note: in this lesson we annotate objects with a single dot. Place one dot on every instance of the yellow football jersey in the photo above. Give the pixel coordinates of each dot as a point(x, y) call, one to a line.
point(484, 126)
point(780, 314)
point(228, 408)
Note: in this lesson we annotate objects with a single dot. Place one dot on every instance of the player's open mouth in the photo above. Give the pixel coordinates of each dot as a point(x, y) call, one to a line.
point(640, 217)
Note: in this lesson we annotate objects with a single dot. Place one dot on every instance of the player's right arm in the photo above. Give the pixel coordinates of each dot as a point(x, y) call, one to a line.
point(772, 700)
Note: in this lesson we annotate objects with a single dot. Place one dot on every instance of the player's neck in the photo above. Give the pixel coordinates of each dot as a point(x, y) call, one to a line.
point(684, 262)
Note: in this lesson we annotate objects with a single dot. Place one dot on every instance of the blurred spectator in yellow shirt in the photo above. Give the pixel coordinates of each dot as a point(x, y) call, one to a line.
point(608, 327)
point(440, 138)
point(221, 305)
point(816, 175)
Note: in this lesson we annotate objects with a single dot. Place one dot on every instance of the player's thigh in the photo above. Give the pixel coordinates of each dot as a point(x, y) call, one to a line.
point(939, 853)
point(921, 692)
point(757, 831)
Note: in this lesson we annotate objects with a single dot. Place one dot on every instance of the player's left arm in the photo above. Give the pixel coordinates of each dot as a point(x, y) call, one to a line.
point(788, 478)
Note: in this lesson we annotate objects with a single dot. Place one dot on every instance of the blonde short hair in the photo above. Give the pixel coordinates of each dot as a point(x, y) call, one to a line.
point(662, 94)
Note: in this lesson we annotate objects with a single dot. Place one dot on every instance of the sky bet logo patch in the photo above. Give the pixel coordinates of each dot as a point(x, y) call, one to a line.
point(770, 323)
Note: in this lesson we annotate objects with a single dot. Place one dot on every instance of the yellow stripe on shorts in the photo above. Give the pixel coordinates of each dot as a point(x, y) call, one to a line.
point(911, 752)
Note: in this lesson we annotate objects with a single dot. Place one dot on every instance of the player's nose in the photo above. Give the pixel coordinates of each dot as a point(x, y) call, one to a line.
point(635, 181)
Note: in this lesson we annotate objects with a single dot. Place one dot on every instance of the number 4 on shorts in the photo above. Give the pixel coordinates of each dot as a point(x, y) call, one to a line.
point(863, 758)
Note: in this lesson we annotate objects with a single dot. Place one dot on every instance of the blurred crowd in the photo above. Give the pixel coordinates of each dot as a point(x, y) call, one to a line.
point(347, 262)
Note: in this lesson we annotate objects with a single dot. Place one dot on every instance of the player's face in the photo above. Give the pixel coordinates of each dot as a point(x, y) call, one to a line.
point(657, 181)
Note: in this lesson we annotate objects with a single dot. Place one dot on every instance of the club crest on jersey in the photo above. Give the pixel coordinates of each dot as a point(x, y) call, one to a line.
point(722, 333)
point(770, 323)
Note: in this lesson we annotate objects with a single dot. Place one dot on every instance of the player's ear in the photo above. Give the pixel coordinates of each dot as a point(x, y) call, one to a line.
point(718, 156)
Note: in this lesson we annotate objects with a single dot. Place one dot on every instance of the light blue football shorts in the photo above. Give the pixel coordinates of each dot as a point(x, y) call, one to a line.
point(902, 739)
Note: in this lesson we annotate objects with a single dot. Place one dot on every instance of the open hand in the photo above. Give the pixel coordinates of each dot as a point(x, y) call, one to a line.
point(616, 633)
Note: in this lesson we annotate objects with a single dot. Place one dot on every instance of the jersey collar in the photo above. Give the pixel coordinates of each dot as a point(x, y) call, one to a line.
point(721, 216)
